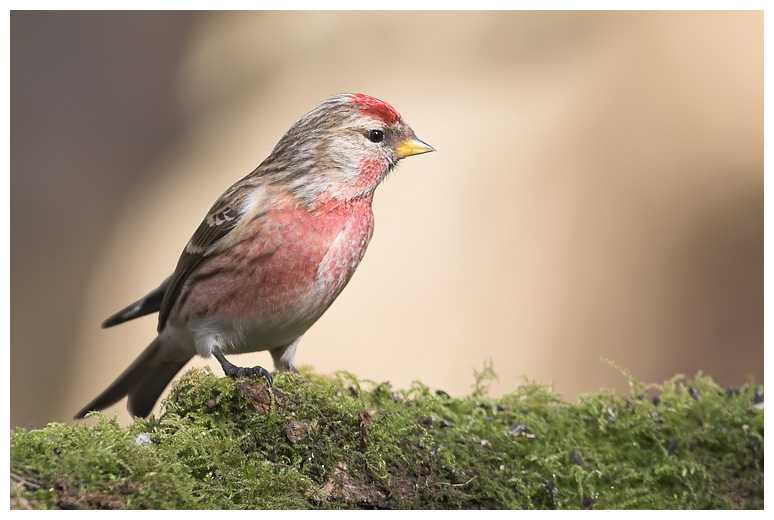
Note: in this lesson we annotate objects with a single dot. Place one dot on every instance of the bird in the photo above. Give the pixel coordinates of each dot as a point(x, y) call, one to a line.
point(272, 253)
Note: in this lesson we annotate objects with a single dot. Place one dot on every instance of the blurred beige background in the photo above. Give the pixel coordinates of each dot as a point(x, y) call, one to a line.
point(597, 190)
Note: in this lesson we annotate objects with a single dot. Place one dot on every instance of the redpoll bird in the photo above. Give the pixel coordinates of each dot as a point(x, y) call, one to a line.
point(273, 252)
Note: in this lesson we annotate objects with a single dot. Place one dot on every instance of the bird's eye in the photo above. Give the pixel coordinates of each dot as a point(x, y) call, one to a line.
point(376, 136)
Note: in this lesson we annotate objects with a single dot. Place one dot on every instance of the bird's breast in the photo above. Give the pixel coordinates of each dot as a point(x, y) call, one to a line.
point(282, 275)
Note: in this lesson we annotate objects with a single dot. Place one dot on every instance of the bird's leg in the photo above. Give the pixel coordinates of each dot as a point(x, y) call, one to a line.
point(283, 356)
point(236, 372)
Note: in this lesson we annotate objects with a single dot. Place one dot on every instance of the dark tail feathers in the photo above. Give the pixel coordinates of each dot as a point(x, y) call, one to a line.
point(143, 382)
point(148, 304)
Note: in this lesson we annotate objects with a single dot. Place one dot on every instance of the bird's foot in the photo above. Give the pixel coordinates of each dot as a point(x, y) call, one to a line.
point(233, 371)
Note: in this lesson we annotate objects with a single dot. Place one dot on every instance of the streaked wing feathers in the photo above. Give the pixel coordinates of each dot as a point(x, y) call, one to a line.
point(222, 218)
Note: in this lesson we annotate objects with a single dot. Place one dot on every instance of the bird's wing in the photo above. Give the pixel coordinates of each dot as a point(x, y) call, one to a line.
point(148, 304)
point(227, 212)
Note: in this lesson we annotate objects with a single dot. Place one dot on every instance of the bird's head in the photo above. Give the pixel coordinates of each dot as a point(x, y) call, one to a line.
point(343, 148)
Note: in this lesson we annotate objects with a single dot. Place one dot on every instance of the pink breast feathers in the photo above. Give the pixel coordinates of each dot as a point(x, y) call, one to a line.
point(289, 270)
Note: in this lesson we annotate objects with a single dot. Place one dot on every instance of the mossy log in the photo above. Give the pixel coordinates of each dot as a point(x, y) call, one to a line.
point(314, 442)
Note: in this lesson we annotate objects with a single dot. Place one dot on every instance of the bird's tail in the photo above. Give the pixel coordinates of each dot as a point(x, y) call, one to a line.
point(143, 382)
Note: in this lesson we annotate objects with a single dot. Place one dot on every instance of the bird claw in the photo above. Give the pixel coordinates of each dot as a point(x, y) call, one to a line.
point(256, 371)
point(236, 372)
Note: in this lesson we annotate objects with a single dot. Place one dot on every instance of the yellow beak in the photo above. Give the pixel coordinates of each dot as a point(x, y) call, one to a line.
point(412, 146)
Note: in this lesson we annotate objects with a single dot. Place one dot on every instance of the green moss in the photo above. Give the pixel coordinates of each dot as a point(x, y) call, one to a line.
point(342, 442)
